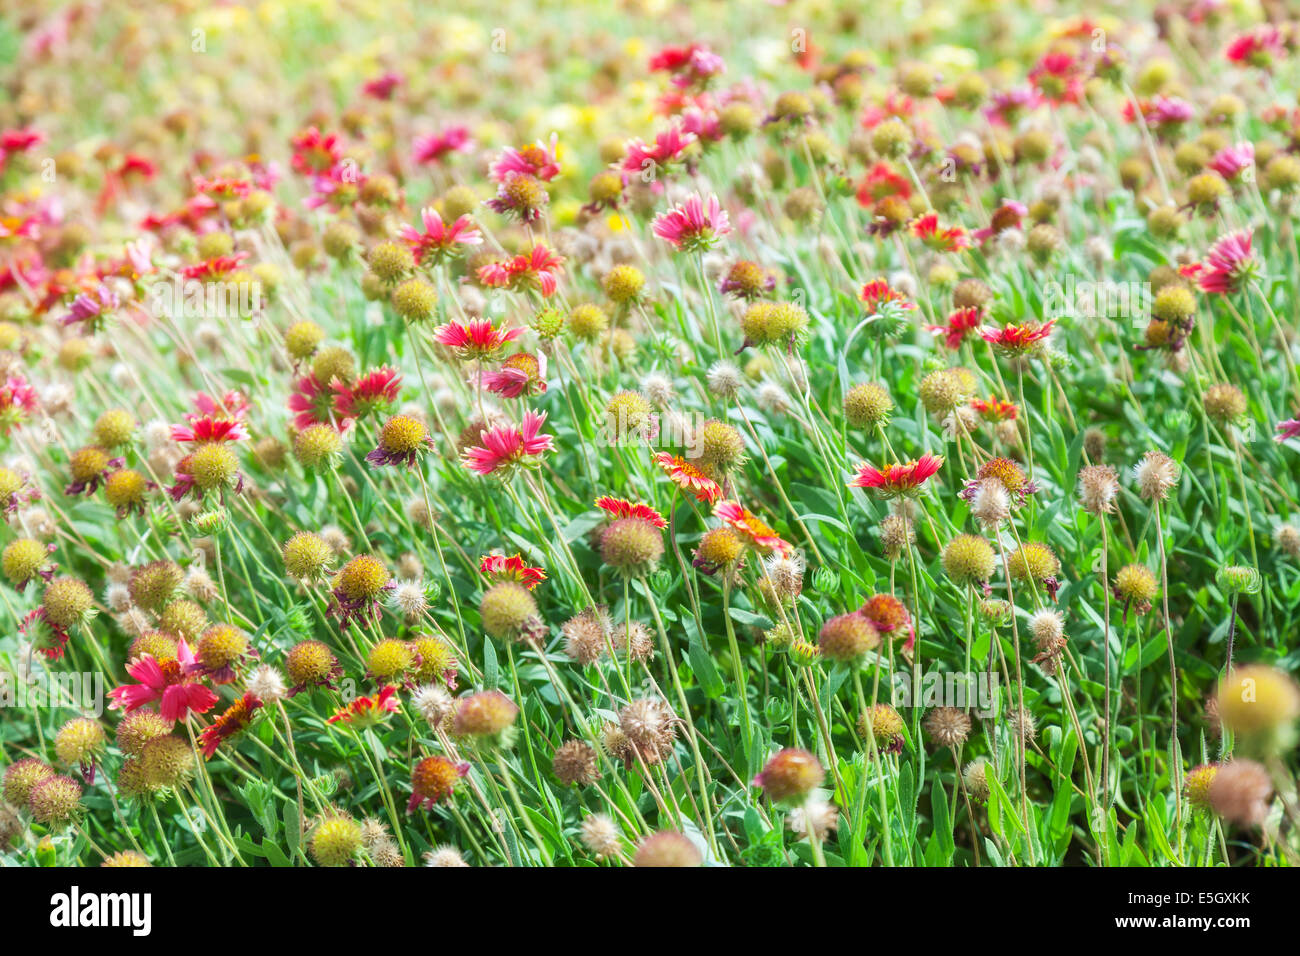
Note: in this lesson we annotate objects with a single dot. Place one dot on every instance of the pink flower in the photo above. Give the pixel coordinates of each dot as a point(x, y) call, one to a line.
point(91, 309)
point(960, 323)
point(520, 374)
point(1231, 161)
point(17, 401)
point(536, 160)
point(537, 269)
point(1287, 429)
point(1256, 47)
point(1227, 264)
point(172, 680)
point(476, 340)
point(668, 146)
point(439, 239)
point(693, 225)
point(383, 87)
point(505, 446)
point(206, 429)
point(436, 146)
point(374, 391)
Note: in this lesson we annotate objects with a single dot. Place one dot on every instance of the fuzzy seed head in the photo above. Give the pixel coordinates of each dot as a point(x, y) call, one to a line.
point(867, 405)
point(507, 609)
point(1156, 475)
point(484, 714)
point(574, 763)
point(1136, 584)
point(302, 339)
point(632, 546)
point(113, 428)
point(310, 663)
point(22, 559)
point(363, 578)
point(55, 800)
point(415, 300)
point(948, 726)
point(307, 556)
point(336, 841)
point(1241, 792)
point(167, 761)
point(152, 585)
point(847, 637)
point(80, 741)
point(68, 602)
point(667, 848)
point(22, 776)
point(968, 559)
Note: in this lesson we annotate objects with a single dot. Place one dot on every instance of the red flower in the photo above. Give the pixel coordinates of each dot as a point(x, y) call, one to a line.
point(171, 680)
point(878, 293)
point(622, 508)
point(995, 409)
point(439, 239)
point(313, 404)
point(1018, 338)
point(365, 711)
point(436, 146)
point(315, 152)
point(231, 721)
point(1227, 264)
point(894, 480)
point(506, 446)
point(889, 614)
point(375, 391)
point(759, 535)
point(688, 477)
point(537, 269)
point(1256, 47)
point(513, 568)
point(205, 429)
point(214, 268)
point(961, 322)
point(17, 401)
point(882, 181)
point(926, 228)
point(476, 340)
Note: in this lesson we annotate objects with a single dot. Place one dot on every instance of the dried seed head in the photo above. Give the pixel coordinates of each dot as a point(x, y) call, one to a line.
point(1098, 488)
point(575, 763)
point(948, 726)
point(790, 775)
point(667, 848)
point(1156, 475)
point(601, 837)
point(1240, 793)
